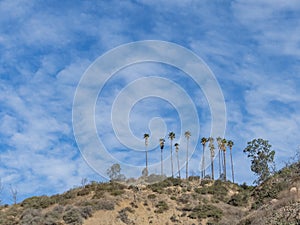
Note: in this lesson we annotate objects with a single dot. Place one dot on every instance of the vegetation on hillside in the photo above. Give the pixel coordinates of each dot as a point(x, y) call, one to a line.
point(174, 200)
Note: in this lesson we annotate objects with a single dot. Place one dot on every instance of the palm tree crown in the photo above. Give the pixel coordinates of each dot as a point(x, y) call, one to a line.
point(187, 134)
point(146, 137)
point(176, 147)
point(162, 143)
point(171, 135)
point(230, 143)
point(204, 140)
point(224, 144)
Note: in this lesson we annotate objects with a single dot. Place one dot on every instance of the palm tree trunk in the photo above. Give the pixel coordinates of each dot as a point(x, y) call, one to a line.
point(203, 162)
point(220, 169)
point(147, 160)
point(178, 165)
point(187, 160)
point(212, 169)
point(232, 171)
point(161, 162)
point(224, 154)
point(172, 160)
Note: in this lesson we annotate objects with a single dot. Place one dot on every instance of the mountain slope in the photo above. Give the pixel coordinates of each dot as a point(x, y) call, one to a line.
point(171, 201)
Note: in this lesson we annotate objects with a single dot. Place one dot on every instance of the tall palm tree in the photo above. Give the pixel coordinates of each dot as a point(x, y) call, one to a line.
point(177, 149)
point(187, 135)
point(162, 145)
point(230, 144)
point(212, 156)
point(146, 137)
point(224, 145)
point(203, 142)
point(219, 141)
point(171, 137)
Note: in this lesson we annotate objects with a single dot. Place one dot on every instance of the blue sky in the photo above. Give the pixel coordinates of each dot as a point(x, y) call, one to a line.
point(251, 47)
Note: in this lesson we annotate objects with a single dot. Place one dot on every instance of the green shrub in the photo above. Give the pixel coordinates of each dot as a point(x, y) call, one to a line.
point(174, 219)
point(218, 190)
point(240, 199)
point(113, 188)
point(37, 202)
point(206, 182)
point(161, 207)
point(123, 216)
point(38, 220)
point(32, 217)
point(69, 194)
point(73, 217)
point(117, 192)
point(99, 194)
point(11, 215)
point(133, 205)
point(206, 211)
point(245, 187)
point(173, 198)
point(202, 191)
point(266, 192)
point(194, 178)
point(53, 217)
point(84, 191)
point(103, 205)
point(86, 211)
point(157, 188)
point(58, 209)
point(151, 196)
point(185, 198)
point(187, 208)
point(160, 186)
point(50, 221)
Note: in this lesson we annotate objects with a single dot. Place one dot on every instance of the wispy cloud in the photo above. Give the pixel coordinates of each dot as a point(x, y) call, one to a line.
point(251, 47)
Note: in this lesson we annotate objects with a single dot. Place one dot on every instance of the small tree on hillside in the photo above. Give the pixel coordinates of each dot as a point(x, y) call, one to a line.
point(114, 173)
point(14, 194)
point(262, 158)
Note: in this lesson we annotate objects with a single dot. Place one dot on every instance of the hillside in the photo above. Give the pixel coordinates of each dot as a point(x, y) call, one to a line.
point(172, 201)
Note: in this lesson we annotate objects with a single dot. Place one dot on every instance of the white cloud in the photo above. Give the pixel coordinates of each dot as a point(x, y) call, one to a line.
point(252, 48)
point(273, 24)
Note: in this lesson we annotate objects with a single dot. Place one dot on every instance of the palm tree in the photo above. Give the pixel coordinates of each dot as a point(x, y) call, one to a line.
point(212, 156)
point(223, 146)
point(203, 142)
point(177, 149)
point(219, 141)
point(230, 144)
point(146, 137)
point(162, 145)
point(171, 137)
point(187, 135)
